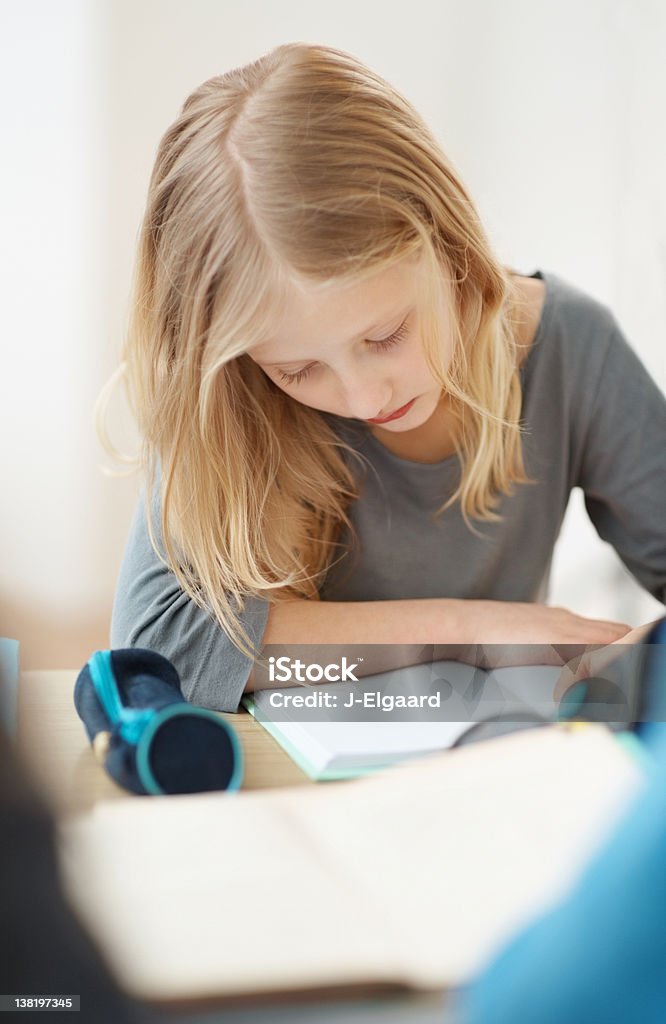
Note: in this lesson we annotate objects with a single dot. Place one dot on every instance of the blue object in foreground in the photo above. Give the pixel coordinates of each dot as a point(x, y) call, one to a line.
point(599, 957)
point(9, 684)
point(150, 739)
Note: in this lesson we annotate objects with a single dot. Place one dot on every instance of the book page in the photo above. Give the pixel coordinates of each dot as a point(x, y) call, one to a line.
point(196, 896)
point(470, 845)
point(346, 739)
point(531, 686)
point(414, 875)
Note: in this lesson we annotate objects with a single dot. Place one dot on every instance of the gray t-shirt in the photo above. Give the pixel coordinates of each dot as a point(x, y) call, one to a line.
point(594, 419)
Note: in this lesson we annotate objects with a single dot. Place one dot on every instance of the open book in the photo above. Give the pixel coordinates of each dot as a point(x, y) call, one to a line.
point(356, 734)
point(410, 877)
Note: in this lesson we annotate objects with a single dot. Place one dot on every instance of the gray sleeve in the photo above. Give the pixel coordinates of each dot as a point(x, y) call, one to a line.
point(151, 610)
point(622, 467)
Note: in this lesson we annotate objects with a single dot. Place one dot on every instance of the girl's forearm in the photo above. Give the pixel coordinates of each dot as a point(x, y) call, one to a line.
point(419, 621)
point(408, 632)
point(398, 633)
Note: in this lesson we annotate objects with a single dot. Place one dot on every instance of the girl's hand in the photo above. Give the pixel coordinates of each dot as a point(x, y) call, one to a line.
point(593, 663)
point(506, 633)
point(509, 622)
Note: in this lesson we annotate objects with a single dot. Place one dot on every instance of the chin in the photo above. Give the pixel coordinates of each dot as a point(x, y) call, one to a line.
point(403, 425)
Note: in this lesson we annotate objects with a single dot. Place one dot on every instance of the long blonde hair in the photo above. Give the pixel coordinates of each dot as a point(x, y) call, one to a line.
point(303, 165)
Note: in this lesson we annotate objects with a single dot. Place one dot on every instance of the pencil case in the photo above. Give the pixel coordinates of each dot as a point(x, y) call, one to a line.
point(149, 738)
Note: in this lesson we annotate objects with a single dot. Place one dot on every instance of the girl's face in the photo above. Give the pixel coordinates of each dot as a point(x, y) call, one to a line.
point(355, 350)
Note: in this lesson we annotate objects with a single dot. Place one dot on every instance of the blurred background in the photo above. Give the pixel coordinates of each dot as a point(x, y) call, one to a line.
point(551, 112)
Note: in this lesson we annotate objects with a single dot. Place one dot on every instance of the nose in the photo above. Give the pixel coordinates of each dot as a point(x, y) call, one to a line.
point(367, 398)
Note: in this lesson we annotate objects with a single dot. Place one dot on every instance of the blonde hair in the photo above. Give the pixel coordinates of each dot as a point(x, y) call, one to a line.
point(301, 166)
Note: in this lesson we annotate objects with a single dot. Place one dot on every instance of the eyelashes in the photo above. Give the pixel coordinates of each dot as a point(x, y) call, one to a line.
point(295, 378)
point(393, 339)
point(381, 345)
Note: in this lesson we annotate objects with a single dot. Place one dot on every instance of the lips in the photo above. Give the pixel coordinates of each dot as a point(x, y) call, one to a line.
point(394, 415)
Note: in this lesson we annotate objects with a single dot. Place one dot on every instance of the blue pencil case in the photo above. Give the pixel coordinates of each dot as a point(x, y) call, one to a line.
point(149, 738)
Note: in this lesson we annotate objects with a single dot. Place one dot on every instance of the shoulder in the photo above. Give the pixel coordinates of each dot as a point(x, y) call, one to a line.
point(560, 320)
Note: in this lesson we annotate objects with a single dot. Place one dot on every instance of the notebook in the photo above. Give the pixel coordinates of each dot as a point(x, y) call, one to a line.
point(329, 744)
point(408, 878)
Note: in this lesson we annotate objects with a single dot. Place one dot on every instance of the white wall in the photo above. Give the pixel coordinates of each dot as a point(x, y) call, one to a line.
point(550, 111)
point(56, 568)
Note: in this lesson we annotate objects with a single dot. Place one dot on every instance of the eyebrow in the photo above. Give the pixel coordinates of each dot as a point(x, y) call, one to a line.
point(381, 326)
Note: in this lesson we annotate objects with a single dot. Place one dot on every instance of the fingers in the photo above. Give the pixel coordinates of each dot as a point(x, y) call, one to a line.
point(577, 630)
point(614, 630)
point(592, 663)
point(638, 634)
point(597, 662)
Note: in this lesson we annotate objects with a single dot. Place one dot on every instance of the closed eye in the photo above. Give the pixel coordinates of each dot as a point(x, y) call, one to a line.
point(380, 344)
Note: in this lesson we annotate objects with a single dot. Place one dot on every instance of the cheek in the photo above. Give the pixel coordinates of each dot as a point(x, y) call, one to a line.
point(307, 393)
point(414, 365)
point(445, 354)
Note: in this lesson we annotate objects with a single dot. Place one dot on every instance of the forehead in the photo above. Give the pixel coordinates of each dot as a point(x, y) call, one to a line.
point(313, 315)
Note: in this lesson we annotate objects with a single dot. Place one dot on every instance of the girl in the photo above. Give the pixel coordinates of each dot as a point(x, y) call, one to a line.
point(358, 427)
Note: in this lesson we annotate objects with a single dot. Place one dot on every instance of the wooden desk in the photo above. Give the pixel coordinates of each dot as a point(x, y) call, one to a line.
point(54, 745)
